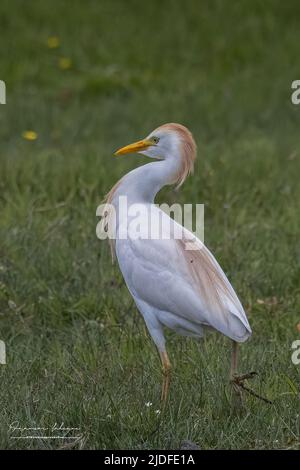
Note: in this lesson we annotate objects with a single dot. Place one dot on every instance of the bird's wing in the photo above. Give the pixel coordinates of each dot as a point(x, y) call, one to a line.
point(187, 283)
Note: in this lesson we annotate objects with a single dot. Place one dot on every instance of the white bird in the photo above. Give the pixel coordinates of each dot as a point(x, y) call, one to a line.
point(172, 286)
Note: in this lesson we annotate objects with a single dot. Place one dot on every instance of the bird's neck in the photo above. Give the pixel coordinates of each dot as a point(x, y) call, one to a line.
point(143, 183)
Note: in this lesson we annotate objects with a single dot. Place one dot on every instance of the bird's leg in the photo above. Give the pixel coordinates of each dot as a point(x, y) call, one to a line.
point(234, 361)
point(237, 401)
point(166, 375)
point(237, 381)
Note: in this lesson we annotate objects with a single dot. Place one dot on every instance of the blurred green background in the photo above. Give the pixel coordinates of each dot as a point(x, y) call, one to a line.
point(83, 78)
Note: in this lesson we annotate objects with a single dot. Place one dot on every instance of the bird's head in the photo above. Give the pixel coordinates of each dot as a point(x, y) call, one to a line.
point(168, 141)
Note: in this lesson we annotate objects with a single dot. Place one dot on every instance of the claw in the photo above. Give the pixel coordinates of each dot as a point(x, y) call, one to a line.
point(239, 379)
point(237, 382)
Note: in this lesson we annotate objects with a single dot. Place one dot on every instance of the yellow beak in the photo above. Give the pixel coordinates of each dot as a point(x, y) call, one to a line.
point(135, 147)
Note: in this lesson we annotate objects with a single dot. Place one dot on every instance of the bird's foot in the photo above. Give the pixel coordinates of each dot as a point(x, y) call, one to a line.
point(237, 381)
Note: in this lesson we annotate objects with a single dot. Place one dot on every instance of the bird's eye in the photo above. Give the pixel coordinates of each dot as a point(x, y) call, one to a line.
point(155, 140)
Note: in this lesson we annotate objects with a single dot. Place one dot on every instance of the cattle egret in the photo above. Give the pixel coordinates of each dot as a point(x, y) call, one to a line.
point(173, 286)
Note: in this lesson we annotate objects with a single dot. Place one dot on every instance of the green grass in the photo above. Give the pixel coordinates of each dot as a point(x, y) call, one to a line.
point(77, 349)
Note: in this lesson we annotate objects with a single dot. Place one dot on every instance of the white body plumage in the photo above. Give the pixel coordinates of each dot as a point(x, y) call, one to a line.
point(181, 289)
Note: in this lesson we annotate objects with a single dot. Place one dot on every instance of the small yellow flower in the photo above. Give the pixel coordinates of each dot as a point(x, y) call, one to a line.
point(65, 63)
point(29, 135)
point(53, 42)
